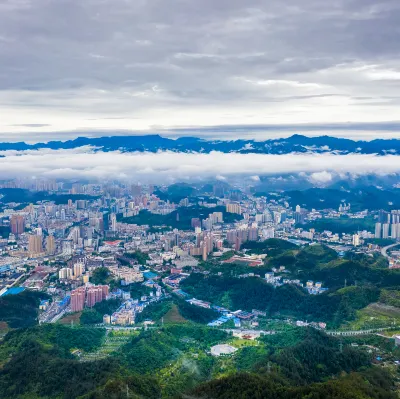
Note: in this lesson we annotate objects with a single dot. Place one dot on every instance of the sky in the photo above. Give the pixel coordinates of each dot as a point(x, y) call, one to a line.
point(226, 68)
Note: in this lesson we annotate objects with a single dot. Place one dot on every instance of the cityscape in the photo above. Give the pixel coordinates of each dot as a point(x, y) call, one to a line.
point(199, 200)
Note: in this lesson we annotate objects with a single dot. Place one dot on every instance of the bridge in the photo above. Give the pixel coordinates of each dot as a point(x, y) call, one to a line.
point(358, 332)
point(385, 249)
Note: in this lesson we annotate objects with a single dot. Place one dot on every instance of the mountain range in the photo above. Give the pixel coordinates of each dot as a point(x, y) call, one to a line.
point(153, 143)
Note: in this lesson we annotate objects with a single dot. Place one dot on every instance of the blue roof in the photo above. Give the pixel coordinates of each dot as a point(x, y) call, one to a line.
point(5, 268)
point(149, 275)
point(14, 291)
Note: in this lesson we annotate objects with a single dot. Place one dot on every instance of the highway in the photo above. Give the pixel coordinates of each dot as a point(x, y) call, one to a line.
point(359, 332)
point(385, 249)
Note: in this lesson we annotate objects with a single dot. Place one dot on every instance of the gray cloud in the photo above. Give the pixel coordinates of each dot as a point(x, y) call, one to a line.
point(124, 65)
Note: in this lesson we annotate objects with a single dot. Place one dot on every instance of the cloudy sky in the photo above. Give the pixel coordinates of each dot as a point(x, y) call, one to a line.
point(251, 67)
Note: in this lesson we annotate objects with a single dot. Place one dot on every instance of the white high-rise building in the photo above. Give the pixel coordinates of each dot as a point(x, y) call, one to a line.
point(113, 219)
point(378, 230)
point(385, 230)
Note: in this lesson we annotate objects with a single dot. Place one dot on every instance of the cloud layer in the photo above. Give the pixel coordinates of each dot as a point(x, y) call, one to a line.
point(151, 64)
point(169, 167)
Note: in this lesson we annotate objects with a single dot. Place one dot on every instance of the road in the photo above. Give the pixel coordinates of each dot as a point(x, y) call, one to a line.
point(385, 249)
point(358, 332)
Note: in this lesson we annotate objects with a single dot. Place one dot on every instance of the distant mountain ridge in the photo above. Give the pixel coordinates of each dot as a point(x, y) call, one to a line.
point(153, 143)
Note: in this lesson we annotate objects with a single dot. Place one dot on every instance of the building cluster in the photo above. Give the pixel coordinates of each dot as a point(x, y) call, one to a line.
point(127, 275)
point(388, 225)
point(57, 245)
point(87, 296)
point(310, 286)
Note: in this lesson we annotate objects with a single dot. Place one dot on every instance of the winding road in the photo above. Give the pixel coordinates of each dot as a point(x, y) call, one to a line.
point(385, 249)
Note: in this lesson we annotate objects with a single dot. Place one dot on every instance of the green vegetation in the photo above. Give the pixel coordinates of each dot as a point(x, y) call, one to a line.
point(5, 231)
point(342, 225)
point(369, 197)
point(21, 310)
point(390, 297)
point(289, 300)
point(20, 195)
point(173, 361)
point(294, 363)
point(180, 218)
point(137, 290)
point(177, 192)
point(173, 316)
point(382, 242)
point(71, 319)
point(57, 337)
point(100, 276)
point(151, 351)
point(96, 313)
point(360, 272)
point(179, 311)
point(272, 246)
point(139, 256)
point(154, 311)
point(375, 315)
point(49, 376)
point(371, 384)
point(195, 313)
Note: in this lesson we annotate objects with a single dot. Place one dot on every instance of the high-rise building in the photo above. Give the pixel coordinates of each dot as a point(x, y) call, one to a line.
point(136, 190)
point(231, 236)
point(356, 240)
point(378, 230)
point(78, 299)
point(204, 252)
point(106, 222)
point(67, 247)
point(65, 273)
point(17, 224)
point(253, 234)
point(35, 244)
point(238, 243)
point(50, 245)
point(195, 223)
point(393, 230)
point(89, 295)
point(81, 204)
point(217, 217)
point(299, 217)
point(234, 208)
point(385, 230)
point(78, 269)
point(268, 233)
point(113, 220)
point(95, 294)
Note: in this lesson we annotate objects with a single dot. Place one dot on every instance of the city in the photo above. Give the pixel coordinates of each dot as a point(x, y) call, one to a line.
point(60, 248)
point(199, 199)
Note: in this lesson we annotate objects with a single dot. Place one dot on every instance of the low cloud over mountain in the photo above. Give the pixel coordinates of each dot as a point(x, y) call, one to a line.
point(168, 166)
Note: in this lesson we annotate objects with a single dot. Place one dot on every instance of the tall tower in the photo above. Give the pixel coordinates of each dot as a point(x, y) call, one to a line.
point(35, 244)
point(17, 224)
point(50, 245)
